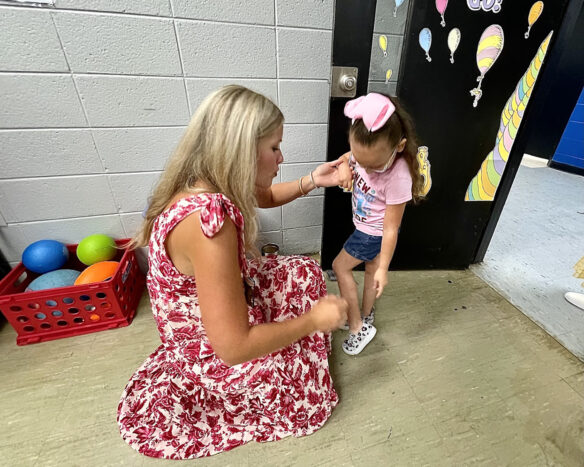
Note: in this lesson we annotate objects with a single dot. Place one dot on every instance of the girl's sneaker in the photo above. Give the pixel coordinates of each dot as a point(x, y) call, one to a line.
point(355, 343)
point(371, 318)
point(366, 319)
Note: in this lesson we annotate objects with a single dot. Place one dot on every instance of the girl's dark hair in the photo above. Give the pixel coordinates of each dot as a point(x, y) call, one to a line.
point(397, 127)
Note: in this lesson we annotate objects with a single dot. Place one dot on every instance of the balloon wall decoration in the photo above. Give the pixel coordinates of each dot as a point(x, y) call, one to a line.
point(425, 40)
point(488, 51)
point(453, 42)
point(383, 44)
point(441, 7)
point(397, 5)
point(534, 14)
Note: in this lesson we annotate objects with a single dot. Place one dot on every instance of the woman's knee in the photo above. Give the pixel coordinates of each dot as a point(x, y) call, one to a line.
point(294, 268)
point(314, 271)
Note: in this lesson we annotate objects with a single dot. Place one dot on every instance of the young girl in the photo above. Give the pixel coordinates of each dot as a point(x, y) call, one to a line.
point(383, 172)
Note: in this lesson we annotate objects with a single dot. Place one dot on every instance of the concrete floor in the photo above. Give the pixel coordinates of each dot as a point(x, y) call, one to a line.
point(455, 376)
point(538, 240)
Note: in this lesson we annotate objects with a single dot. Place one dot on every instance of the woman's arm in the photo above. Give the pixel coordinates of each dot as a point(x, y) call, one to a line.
point(391, 223)
point(282, 193)
point(222, 300)
point(324, 175)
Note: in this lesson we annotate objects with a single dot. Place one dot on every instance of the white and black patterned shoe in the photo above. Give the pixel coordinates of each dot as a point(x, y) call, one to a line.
point(355, 343)
point(371, 318)
point(367, 319)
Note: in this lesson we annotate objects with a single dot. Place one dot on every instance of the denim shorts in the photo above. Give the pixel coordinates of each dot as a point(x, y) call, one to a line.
point(362, 246)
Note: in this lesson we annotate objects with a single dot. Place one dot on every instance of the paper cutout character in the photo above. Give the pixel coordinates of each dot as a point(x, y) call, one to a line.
point(422, 157)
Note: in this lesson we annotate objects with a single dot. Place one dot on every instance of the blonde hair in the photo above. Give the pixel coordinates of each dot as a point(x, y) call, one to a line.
point(218, 148)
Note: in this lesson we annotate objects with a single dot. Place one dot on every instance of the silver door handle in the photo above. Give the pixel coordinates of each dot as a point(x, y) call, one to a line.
point(344, 81)
point(347, 82)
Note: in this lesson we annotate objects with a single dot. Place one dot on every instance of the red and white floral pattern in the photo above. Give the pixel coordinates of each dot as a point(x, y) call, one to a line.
point(184, 402)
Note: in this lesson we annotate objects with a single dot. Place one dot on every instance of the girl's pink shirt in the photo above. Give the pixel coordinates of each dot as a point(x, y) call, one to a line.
point(372, 192)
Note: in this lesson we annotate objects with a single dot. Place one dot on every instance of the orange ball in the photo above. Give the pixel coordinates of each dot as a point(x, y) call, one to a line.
point(98, 272)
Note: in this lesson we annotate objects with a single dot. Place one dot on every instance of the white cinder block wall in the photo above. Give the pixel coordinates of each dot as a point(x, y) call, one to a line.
point(95, 94)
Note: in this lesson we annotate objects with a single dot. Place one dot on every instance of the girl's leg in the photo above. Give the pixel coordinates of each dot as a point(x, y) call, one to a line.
point(343, 267)
point(368, 286)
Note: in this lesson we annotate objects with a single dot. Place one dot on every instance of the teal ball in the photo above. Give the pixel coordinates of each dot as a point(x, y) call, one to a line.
point(54, 279)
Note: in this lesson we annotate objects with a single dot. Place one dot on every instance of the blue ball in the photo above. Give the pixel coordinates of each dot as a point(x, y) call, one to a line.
point(53, 279)
point(44, 256)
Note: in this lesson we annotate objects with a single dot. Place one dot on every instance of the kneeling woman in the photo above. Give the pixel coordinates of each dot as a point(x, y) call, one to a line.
point(244, 341)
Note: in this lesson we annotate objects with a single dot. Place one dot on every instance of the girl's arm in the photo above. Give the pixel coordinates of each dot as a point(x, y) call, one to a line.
point(391, 223)
point(222, 299)
point(345, 171)
point(324, 175)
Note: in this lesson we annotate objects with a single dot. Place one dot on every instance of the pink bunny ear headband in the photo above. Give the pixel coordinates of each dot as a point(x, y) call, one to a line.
point(374, 109)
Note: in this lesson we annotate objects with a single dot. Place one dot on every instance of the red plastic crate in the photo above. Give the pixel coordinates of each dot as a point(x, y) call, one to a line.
point(51, 314)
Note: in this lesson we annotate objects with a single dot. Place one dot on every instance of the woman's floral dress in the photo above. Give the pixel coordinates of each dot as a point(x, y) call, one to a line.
point(184, 402)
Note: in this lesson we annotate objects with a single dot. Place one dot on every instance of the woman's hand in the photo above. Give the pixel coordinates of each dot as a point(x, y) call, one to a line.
point(329, 313)
point(379, 281)
point(327, 174)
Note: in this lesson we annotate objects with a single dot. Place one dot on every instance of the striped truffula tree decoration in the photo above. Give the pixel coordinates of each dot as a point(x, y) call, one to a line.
point(484, 185)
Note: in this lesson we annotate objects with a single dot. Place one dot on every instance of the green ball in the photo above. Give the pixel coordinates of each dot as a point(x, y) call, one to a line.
point(96, 248)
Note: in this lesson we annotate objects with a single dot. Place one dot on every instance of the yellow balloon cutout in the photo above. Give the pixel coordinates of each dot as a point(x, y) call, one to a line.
point(388, 76)
point(383, 44)
point(534, 14)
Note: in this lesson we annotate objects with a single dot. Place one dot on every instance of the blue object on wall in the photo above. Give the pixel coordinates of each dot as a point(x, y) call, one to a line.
point(570, 150)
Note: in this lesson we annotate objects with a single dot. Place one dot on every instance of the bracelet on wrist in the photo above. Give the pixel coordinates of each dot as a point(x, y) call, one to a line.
point(303, 193)
point(312, 180)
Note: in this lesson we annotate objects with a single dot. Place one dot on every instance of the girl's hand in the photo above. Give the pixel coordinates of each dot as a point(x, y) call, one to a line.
point(329, 313)
point(345, 176)
point(379, 281)
point(327, 174)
